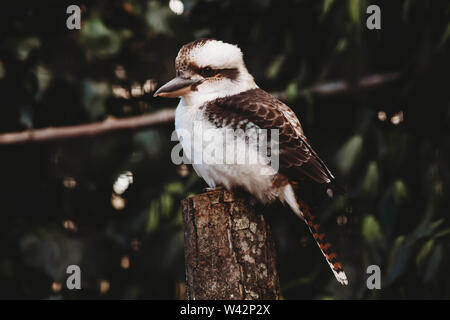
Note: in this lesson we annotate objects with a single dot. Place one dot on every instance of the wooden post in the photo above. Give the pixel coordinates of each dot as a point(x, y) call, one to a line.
point(229, 251)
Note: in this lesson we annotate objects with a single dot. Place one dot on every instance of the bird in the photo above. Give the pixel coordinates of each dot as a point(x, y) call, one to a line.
point(218, 94)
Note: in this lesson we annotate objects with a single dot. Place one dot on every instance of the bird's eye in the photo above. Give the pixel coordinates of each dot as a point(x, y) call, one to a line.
point(207, 72)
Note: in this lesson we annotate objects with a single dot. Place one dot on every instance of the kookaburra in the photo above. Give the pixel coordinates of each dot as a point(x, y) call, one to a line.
point(217, 92)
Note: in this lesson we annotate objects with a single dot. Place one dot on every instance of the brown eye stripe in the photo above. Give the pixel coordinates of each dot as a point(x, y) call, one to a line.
point(207, 72)
point(230, 73)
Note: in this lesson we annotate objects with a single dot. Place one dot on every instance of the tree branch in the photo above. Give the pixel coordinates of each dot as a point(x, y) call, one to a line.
point(167, 115)
point(342, 86)
point(369, 81)
point(91, 129)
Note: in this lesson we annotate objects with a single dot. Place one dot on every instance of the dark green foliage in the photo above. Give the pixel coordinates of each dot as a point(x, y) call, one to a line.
point(395, 213)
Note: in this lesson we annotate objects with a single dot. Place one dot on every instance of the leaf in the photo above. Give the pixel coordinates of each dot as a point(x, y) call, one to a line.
point(442, 233)
point(275, 67)
point(166, 204)
point(438, 188)
point(371, 229)
point(327, 6)
point(99, 40)
point(26, 46)
point(371, 180)
point(433, 264)
point(348, 153)
point(445, 36)
point(43, 75)
point(354, 10)
point(157, 17)
point(341, 45)
point(427, 229)
point(178, 218)
point(434, 225)
point(398, 258)
point(424, 252)
point(292, 91)
point(95, 95)
point(396, 247)
point(400, 192)
point(153, 216)
point(175, 188)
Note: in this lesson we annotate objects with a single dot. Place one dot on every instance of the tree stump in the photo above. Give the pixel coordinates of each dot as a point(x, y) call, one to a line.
point(229, 251)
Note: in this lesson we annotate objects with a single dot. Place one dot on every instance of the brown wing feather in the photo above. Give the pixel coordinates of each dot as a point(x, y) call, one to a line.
point(265, 111)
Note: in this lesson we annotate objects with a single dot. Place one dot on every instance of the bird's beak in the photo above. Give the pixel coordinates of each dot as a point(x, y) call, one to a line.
point(176, 87)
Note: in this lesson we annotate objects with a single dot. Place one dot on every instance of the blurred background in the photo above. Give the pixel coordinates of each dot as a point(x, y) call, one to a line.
point(374, 103)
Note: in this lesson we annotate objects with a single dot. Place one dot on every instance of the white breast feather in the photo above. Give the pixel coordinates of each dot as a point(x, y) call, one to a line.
point(250, 176)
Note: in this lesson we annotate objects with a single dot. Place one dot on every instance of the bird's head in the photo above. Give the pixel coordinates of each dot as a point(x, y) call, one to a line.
point(208, 69)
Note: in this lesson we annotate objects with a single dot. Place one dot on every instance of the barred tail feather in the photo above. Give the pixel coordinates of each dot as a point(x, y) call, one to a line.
point(324, 244)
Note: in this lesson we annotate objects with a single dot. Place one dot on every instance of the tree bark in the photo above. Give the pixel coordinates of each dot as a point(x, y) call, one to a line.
point(229, 251)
